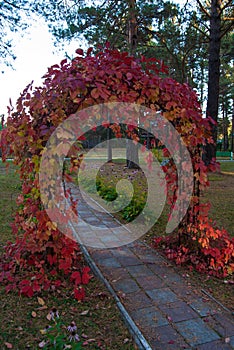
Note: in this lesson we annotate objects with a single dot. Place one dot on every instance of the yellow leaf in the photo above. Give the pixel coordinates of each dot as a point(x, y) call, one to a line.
point(44, 307)
point(40, 301)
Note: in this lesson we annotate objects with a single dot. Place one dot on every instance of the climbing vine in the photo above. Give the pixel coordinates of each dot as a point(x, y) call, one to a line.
point(41, 256)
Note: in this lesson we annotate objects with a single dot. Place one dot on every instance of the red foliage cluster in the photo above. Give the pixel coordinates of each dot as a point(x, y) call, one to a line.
point(41, 253)
point(203, 248)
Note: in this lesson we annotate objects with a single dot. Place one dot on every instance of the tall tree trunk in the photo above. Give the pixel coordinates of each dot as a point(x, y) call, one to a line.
point(232, 131)
point(132, 149)
point(202, 83)
point(213, 75)
point(132, 27)
point(225, 131)
point(109, 146)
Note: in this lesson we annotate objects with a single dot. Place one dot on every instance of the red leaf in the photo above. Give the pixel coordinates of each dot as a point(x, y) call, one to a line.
point(76, 276)
point(51, 259)
point(36, 287)
point(63, 62)
point(90, 49)
point(80, 52)
point(68, 177)
point(105, 124)
point(27, 291)
point(79, 294)
point(85, 275)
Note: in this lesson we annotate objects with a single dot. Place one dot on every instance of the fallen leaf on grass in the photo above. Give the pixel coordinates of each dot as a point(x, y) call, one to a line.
point(8, 345)
point(48, 317)
point(40, 301)
point(88, 341)
point(41, 308)
point(84, 313)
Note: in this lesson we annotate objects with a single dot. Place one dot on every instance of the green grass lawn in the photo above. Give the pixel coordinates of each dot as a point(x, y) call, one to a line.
point(10, 187)
point(227, 166)
point(220, 193)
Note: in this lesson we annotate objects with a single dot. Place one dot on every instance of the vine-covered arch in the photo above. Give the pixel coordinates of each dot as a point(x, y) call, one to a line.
point(41, 251)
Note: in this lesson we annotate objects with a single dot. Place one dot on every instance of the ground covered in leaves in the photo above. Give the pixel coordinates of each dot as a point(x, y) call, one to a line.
point(23, 321)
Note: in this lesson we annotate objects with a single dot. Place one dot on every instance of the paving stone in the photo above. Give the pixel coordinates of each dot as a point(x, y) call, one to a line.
point(125, 256)
point(101, 253)
point(110, 224)
point(139, 270)
point(92, 220)
point(108, 262)
point(92, 242)
point(149, 317)
point(128, 261)
point(102, 232)
point(135, 301)
point(85, 215)
point(142, 249)
point(110, 239)
point(196, 332)
point(100, 226)
point(214, 345)
point(150, 282)
point(232, 341)
point(123, 252)
point(161, 269)
point(186, 292)
point(151, 258)
point(83, 211)
point(162, 295)
point(167, 338)
point(104, 217)
point(82, 224)
point(224, 324)
point(178, 311)
point(115, 274)
point(202, 307)
point(171, 278)
point(126, 286)
point(115, 224)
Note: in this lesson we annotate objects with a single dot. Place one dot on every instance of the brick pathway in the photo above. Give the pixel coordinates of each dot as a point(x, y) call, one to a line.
point(165, 309)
